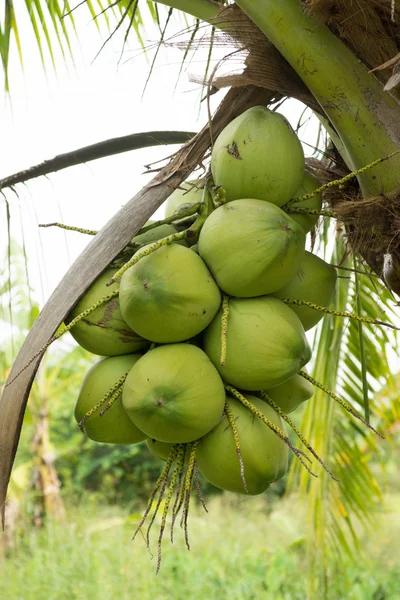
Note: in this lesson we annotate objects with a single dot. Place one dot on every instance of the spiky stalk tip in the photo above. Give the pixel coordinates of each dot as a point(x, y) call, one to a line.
point(342, 403)
point(289, 421)
point(175, 237)
point(277, 430)
point(231, 419)
point(338, 313)
point(224, 328)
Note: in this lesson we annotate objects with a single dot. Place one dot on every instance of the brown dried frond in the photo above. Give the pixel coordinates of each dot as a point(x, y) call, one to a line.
point(371, 225)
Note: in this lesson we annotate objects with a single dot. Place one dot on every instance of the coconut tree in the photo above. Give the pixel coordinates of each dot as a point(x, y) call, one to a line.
point(341, 59)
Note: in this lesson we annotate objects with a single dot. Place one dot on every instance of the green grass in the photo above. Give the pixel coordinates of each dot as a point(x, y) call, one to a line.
point(240, 551)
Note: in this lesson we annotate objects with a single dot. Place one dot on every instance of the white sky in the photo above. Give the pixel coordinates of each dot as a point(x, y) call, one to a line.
point(49, 115)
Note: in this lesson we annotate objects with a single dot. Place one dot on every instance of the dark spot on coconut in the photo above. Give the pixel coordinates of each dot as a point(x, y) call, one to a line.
point(146, 285)
point(288, 228)
point(204, 311)
point(159, 402)
point(233, 150)
point(108, 313)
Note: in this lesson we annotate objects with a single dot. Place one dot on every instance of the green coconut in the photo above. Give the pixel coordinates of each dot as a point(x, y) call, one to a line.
point(159, 449)
point(183, 198)
point(314, 282)
point(162, 449)
point(174, 394)
point(114, 427)
point(308, 185)
point(290, 394)
point(258, 155)
point(104, 331)
point(264, 455)
point(169, 296)
point(251, 247)
point(265, 344)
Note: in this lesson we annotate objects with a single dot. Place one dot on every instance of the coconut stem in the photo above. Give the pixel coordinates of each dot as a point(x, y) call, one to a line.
point(342, 403)
point(187, 491)
point(160, 483)
point(337, 313)
point(231, 419)
point(197, 485)
point(339, 182)
point(65, 329)
point(70, 228)
point(175, 237)
point(224, 328)
point(277, 430)
point(180, 465)
point(311, 211)
point(174, 478)
point(289, 421)
point(112, 394)
point(192, 210)
point(112, 400)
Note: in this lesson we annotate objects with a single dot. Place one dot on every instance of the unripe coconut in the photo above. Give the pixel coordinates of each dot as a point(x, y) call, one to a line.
point(258, 155)
point(314, 282)
point(290, 394)
point(308, 185)
point(174, 394)
point(264, 454)
point(104, 331)
point(163, 450)
point(169, 296)
point(159, 449)
point(251, 247)
point(114, 427)
point(182, 198)
point(265, 344)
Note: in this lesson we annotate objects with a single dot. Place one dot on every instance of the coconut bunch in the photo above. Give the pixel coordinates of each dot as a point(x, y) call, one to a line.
point(203, 320)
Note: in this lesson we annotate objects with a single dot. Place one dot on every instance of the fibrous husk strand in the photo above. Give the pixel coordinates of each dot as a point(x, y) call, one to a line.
point(301, 437)
point(176, 237)
point(232, 423)
point(112, 395)
point(337, 313)
point(224, 327)
point(64, 330)
point(342, 403)
point(187, 488)
point(178, 462)
point(160, 483)
point(296, 451)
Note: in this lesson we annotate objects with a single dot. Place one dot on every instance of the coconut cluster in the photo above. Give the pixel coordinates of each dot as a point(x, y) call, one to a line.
point(204, 343)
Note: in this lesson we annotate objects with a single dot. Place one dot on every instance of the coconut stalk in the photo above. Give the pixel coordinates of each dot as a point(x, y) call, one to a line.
point(366, 119)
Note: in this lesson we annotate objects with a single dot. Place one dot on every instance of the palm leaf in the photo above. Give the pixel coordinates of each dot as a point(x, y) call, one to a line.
point(53, 23)
point(338, 512)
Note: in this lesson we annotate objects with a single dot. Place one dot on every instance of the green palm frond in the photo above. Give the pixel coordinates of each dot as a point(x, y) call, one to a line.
point(338, 512)
point(53, 24)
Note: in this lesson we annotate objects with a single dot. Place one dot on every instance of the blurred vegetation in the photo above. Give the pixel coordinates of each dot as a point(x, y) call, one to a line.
point(245, 548)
